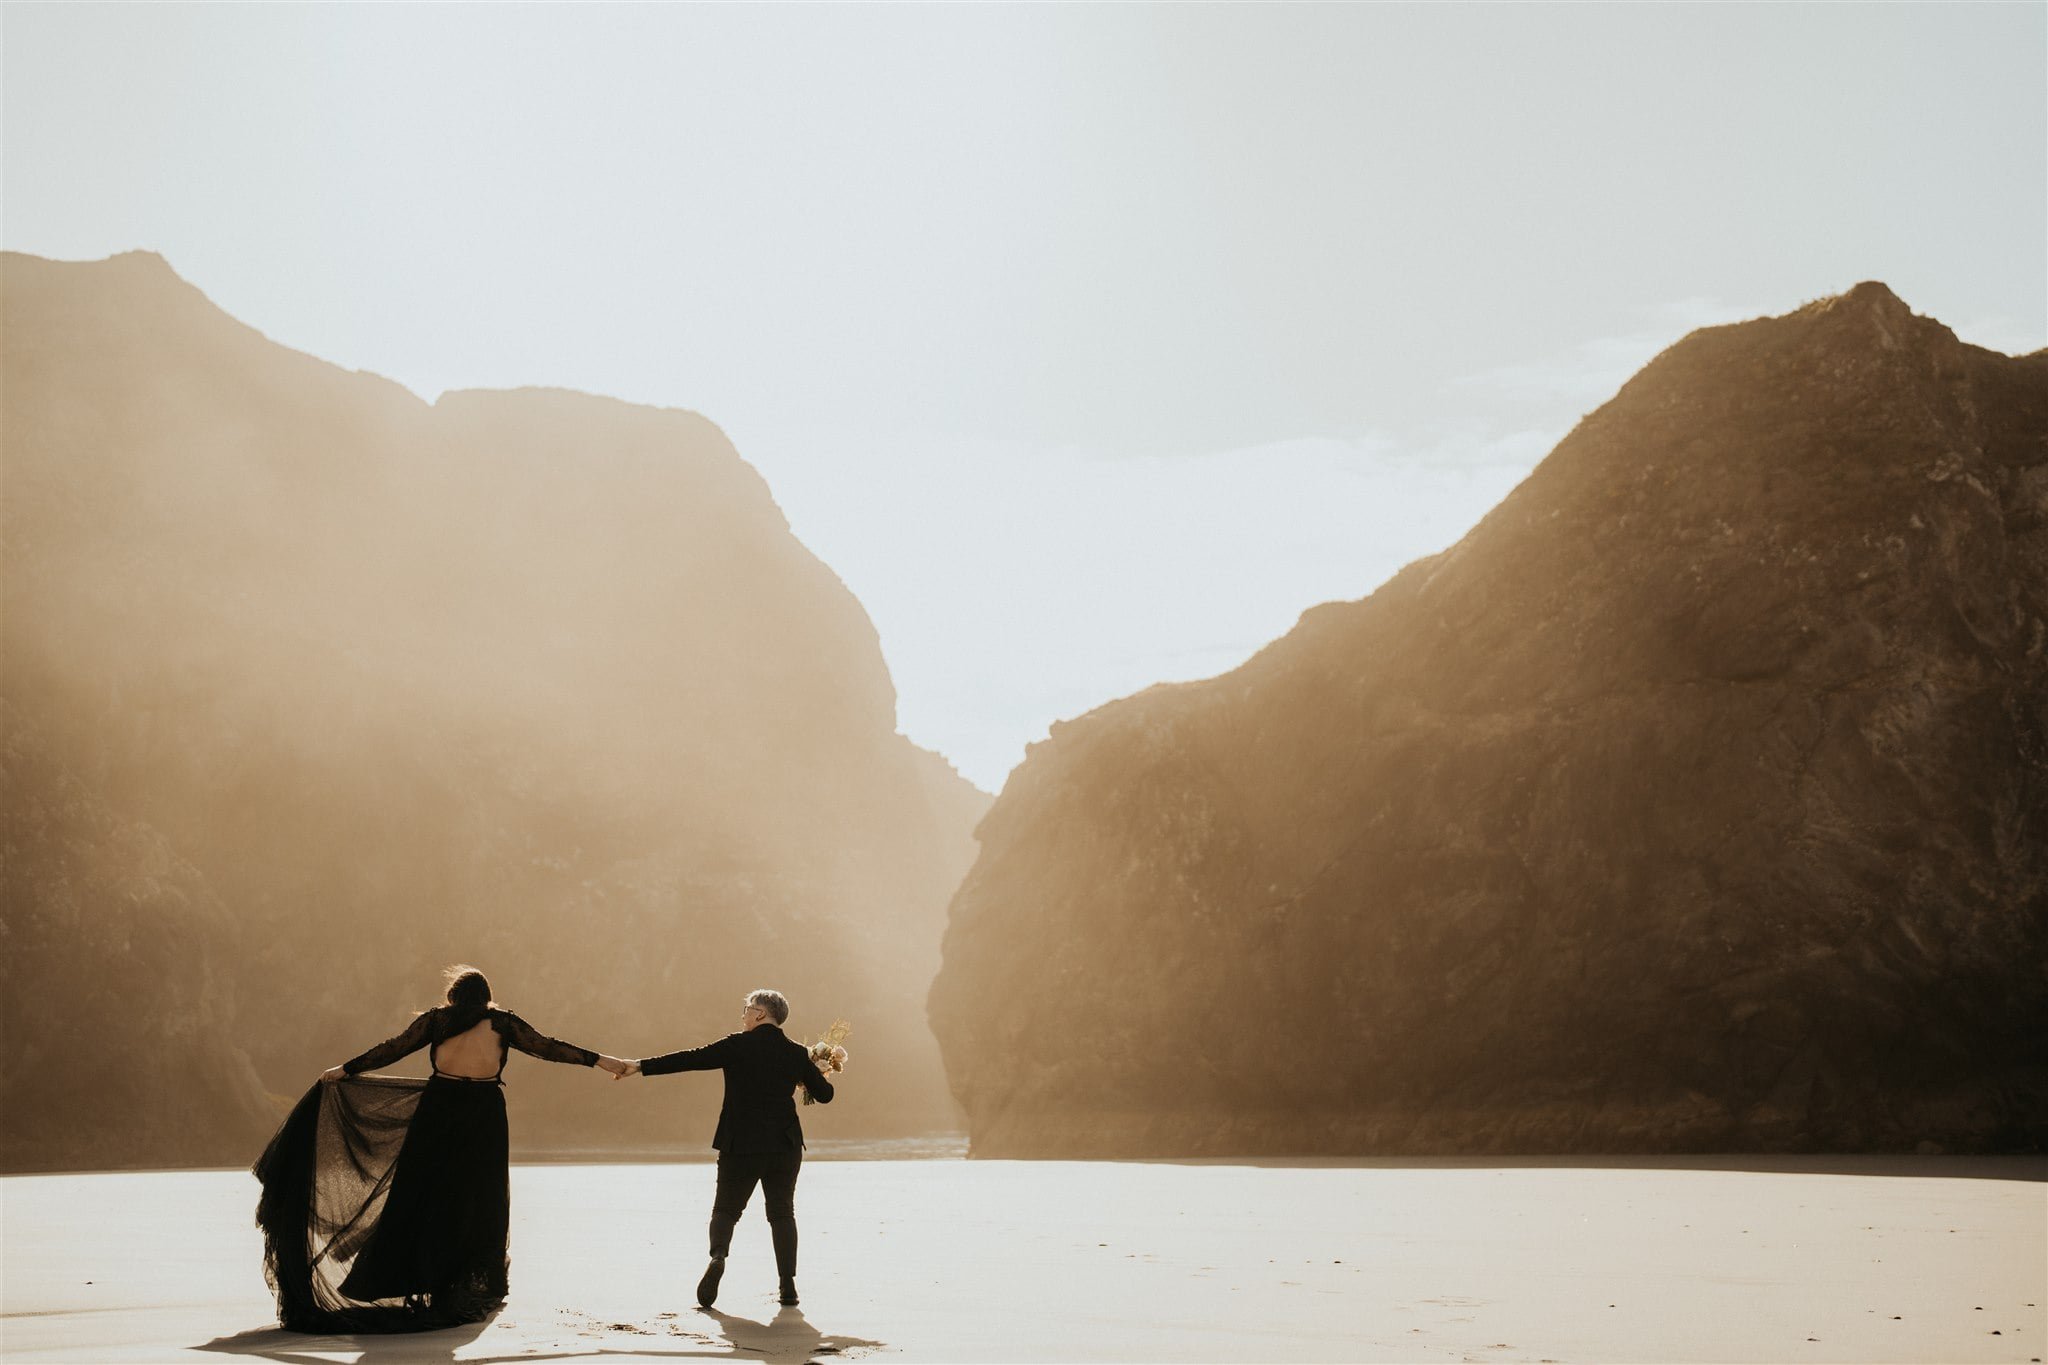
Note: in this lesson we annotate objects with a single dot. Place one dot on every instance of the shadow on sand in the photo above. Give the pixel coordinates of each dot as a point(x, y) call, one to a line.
point(786, 1339)
point(371, 1348)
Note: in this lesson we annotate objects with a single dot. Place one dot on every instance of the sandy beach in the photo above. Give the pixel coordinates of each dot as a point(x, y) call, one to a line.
point(1845, 1259)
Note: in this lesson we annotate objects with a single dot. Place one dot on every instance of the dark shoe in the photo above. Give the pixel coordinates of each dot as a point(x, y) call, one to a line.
point(789, 1293)
point(707, 1288)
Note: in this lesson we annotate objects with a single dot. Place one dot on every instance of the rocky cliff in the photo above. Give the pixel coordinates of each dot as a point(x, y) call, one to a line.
point(351, 685)
point(1696, 800)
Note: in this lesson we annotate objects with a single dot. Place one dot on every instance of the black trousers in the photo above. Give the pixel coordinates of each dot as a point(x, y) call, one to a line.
point(775, 1173)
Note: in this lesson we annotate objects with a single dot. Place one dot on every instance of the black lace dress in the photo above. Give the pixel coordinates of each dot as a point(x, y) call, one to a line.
point(385, 1200)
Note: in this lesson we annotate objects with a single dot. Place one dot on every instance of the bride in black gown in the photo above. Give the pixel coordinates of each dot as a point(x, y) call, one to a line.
point(385, 1200)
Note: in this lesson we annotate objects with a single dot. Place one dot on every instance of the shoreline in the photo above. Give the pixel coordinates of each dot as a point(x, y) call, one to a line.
point(2028, 1167)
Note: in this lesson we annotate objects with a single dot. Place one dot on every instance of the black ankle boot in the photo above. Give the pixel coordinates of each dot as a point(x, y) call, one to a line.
point(788, 1291)
point(707, 1288)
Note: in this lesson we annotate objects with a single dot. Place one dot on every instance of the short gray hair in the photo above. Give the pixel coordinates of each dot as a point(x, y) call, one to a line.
point(772, 1001)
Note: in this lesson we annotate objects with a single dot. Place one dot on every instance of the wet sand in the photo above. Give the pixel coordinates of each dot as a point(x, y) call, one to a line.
point(1891, 1259)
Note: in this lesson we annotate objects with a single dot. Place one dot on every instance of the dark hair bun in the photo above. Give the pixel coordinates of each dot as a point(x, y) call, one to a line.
point(468, 991)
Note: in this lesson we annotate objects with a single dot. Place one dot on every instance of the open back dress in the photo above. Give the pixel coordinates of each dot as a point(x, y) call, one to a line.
point(385, 1199)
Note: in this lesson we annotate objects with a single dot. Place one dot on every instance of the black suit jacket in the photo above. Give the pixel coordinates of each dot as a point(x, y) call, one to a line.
point(762, 1070)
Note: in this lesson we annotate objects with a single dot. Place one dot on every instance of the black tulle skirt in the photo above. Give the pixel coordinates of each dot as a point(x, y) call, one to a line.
point(385, 1205)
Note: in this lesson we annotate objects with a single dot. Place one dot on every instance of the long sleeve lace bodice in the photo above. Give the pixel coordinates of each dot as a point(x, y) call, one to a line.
point(530, 1040)
point(417, 1035)
point(431, 1027)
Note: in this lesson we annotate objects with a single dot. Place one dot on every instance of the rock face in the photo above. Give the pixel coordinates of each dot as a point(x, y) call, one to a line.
point(327, 687)
point(118, 1013)
point(1696, 800)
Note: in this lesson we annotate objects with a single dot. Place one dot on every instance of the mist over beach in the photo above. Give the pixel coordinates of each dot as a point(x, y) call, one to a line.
point(1383, 669)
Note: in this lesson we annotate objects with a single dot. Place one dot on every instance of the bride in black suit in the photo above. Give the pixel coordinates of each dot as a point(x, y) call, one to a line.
point(385, 1200)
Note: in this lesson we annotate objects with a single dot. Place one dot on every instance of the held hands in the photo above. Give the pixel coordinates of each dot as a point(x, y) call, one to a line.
point(619, 1067)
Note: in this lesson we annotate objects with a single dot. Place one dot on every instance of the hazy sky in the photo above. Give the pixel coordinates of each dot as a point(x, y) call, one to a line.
point(1090, 345)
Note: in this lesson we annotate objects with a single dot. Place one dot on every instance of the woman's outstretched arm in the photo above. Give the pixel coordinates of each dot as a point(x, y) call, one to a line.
point(414, 1038)
point(534, 1043)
